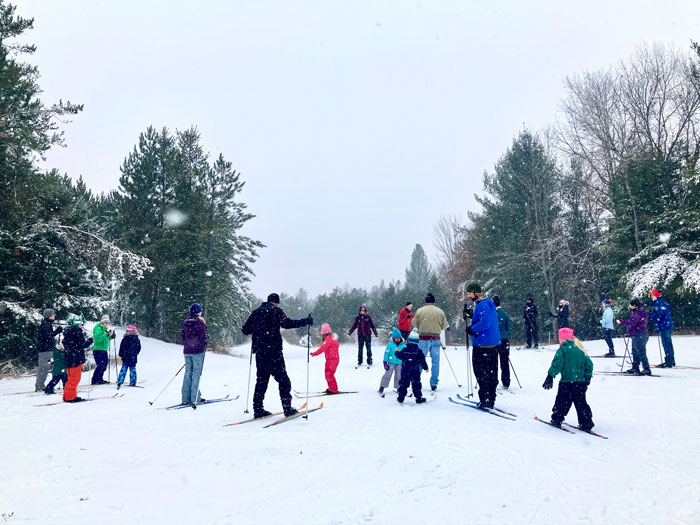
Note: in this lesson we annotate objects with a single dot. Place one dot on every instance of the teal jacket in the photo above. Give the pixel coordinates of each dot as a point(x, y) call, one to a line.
point(503, 323)
point(573, 363)
point(392, 348)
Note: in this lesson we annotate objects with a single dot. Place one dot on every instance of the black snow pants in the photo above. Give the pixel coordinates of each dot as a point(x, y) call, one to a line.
point(531, 333)
point(575, 393)
point(271, 366)
point(410, 375)
point(361, 341)
point(485, 361)
point(504, 354)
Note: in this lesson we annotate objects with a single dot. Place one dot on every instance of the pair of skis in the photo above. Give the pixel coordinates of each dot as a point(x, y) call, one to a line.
point(193, 405)
point(499, 412)
point(301, 412)
point(115, 396)
point(569, 427)
point(324, 393)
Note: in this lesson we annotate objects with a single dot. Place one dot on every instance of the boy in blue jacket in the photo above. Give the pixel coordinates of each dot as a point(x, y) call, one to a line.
point(412, 360)
point(663, 322)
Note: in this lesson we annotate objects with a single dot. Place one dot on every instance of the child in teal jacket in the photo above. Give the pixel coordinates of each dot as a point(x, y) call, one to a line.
point(392, 364)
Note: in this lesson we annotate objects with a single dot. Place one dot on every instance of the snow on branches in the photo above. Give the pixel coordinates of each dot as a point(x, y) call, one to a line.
point(662, 271)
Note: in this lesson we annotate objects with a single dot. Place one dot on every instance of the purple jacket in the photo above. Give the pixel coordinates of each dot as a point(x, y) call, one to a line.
point(194, 335)
point(364, 326)
point(637, 323)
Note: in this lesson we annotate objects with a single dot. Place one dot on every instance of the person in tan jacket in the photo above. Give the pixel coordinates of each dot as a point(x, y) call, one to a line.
point(430, 321)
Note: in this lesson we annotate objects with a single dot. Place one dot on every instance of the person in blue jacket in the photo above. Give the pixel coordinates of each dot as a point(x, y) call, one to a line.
point(504, 347)
point(663, 322)
point(606, 324)
point(485, 339)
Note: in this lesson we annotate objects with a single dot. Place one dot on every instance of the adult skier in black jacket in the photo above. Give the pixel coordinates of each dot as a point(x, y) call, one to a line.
point(264, 325)
point(562, 314)
point(530, 316)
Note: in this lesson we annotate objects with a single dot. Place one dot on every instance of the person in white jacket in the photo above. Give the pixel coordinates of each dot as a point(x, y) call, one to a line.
point(607, 325)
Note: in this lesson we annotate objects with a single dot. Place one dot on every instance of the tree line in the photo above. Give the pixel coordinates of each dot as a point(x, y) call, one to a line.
point(167, 237)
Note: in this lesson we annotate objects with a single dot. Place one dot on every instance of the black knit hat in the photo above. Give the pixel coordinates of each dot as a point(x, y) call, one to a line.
point(635, 302)
point(273, 298)
point(408, 302)
point(430, 298)
point(496, 300)
point(474, 287)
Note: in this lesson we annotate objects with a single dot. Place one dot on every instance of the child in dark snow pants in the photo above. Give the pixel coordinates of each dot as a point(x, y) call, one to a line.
point(576, 371)
point(412, 363)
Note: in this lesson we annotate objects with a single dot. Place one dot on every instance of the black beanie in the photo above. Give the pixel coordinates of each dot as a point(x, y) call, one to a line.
point(408, 302)
point(273, 298)
point(430, 298)
point(496, 300)
point(474, 287)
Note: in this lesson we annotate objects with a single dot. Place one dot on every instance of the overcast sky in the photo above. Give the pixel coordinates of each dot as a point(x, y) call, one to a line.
point(355, 124)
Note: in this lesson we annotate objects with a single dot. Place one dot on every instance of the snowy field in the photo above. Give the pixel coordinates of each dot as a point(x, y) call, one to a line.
point(361, 459)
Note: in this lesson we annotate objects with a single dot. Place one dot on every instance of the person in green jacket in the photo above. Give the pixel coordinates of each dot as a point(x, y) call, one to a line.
point(59, 370)
point(576, 368)
point(504, 347)
point(101, 335)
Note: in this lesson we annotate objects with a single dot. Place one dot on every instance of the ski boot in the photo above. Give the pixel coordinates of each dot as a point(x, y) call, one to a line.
point(260, 413)
point(645, 372)
point(400, 399)
point(420, 400)
point(633, 370)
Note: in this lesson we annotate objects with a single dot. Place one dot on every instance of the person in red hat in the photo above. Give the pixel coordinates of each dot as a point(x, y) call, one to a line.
point(576, 368)
point(129, 350)
point(330, 347)
point(663, 322)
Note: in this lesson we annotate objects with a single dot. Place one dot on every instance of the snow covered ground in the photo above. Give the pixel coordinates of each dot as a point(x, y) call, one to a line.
point(359, 459)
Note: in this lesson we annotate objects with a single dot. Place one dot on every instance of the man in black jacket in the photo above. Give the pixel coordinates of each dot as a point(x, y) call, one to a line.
point(264, 325)
point(530, 317)
point(45, 344)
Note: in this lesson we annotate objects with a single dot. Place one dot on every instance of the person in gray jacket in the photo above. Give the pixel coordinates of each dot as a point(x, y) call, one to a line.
point(504, 347)
point(45, 345)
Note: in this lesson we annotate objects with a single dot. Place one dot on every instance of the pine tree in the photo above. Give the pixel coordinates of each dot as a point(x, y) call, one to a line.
point(419, 271)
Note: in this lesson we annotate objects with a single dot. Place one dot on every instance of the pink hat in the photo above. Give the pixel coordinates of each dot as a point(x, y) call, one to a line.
point(131, 329)
point(326, 329)
point(656, 293)
point(566, 333)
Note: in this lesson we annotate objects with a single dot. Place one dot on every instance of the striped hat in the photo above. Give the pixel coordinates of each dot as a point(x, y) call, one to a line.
point(131, 329)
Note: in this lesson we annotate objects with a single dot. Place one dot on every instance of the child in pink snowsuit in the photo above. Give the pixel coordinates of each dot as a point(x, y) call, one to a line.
point(330, 346)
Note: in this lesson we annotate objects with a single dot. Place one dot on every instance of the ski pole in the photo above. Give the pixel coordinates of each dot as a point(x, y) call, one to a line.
point(453, 370)
point(624, 357)
point(250, 367)
point(514, 372)
point(166, 386)
point(658, 340)
point(308, 356)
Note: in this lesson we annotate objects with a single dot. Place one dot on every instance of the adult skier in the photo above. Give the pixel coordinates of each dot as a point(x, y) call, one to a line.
point(74, 344)
point(606, 324)
point(637, 330)
point(101, 334)
point(562, 314)
point(486, 339)
point(430, 321)
point(530, 316)
point(364, 326)
point(663, 322)
point(45, 344)
point(264, 325)
point(194, 339)
point(405, 318)
point(504, 346)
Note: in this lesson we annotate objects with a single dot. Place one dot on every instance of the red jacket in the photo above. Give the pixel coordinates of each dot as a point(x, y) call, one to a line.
point(405, 317)
point(331, 347)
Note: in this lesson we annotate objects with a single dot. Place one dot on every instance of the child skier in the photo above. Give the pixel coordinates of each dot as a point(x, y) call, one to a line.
point(74, 344)
point(330, 347)
point(412, 360)
point(392, 364)
point(59, 370)
point(129, 349)
point(576, 371)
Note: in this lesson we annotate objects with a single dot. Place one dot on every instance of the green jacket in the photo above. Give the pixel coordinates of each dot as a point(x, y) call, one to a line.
point(100, 337)
point(573, 363)
point(59, 362)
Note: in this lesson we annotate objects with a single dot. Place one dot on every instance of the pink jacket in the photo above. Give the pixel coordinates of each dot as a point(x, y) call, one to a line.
point(331, 347)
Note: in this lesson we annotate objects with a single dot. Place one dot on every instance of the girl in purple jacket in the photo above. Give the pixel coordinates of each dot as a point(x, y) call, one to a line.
point(637, 331)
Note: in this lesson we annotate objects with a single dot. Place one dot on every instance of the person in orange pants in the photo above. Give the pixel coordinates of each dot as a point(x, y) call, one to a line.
point(330, 347)
point(74, 344)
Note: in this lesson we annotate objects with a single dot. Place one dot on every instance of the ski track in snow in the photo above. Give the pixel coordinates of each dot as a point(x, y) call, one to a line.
point(362, 458)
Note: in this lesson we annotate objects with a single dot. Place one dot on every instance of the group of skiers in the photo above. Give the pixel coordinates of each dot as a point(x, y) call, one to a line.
point(416, 337)
point(69, 356)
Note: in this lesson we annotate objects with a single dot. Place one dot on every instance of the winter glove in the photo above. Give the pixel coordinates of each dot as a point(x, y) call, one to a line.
point(89, 341)
point(588, 381)
point(548, 383)
point(58, 330)
point(386, 366)
point(309, 320)
point(618, 322)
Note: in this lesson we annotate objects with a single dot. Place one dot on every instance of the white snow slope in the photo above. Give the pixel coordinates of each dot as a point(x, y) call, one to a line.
point(359, 459)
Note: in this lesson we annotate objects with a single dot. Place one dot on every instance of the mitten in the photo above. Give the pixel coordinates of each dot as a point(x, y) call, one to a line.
point(548, 383)
point(386, 366)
